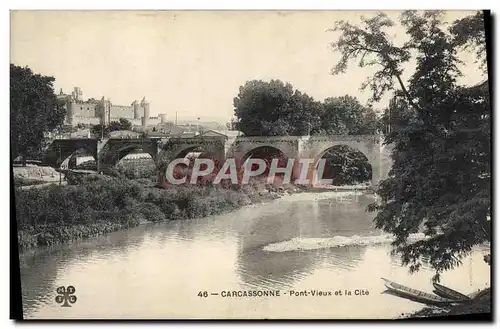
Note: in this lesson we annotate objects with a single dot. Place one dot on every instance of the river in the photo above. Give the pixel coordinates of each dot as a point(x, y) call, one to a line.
point(322, 242)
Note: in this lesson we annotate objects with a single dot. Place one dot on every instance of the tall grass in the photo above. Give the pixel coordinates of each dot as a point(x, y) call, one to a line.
point(102, 204)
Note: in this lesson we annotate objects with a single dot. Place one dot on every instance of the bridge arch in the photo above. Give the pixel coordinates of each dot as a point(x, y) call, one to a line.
point(260, 151)
point(116, 149)
point(317, 146)
point(212, 147)
point(362, 163)
point(178, 147)
point(292, 147)
point(61, 149)
point(123, 152)
point(287, 145)
point(267, 153)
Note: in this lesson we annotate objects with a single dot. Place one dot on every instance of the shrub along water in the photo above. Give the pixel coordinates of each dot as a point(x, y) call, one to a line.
point(102, 204)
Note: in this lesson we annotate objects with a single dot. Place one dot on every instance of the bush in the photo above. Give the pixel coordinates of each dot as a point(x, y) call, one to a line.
point(102, 204)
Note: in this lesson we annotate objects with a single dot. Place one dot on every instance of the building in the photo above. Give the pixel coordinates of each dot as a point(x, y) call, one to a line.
point(93, 112)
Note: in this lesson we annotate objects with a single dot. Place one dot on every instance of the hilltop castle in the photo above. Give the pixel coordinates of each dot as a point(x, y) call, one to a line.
point(103, 111)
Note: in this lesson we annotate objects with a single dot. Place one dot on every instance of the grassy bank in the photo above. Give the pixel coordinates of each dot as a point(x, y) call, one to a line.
point(102, 204)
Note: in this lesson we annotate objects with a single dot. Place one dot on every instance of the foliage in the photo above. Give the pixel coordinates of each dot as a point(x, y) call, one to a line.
point(124, 124)
point(470, 33)
point(346, 115)
point(34, 110)
point(440, 179)
point(346, 166)
point(137, 168)
point(275, 108)
point(232, 125)
point(99, 130)
point(102, 204)
point(104, 130)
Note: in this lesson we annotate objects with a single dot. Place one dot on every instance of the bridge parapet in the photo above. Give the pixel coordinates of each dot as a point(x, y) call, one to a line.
point(342, 138)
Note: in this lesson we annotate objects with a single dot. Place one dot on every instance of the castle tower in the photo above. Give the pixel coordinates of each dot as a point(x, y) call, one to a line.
point(69, 111)
point(102, 115)
point(145, 106)
point(77, 94)
point(108, 110)
point(137, 110)
point(104, 108)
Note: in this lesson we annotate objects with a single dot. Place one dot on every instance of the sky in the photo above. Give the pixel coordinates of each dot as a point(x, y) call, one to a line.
point(192, 62)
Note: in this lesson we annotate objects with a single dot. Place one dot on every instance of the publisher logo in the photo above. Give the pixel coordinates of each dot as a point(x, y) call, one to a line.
point(65, 296)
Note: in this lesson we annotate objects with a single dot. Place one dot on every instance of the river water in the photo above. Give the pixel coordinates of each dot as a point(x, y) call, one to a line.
point(311, 242)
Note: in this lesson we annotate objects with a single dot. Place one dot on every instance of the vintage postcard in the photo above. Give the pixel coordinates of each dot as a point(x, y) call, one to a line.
point(251, 164)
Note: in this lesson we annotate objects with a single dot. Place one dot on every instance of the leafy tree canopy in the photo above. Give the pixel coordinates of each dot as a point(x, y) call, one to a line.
point(275, 108)
point(122, 124)
point(125, 124)
point(440, 180)
point(346, 115)
point(34, 110)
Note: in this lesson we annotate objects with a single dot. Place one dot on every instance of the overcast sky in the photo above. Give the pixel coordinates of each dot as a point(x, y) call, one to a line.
point(190, 62)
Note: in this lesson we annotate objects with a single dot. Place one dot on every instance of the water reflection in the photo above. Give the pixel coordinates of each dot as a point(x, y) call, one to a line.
point(157, 271)
point(302, 219)
point(40, 270)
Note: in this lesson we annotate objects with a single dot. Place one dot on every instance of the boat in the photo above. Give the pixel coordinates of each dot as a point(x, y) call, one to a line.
point(479, 293)
point(416, 295)
point(446, 292)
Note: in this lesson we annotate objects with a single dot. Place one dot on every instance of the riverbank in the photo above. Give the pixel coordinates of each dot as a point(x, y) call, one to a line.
point(97, 205)
point(481, 304)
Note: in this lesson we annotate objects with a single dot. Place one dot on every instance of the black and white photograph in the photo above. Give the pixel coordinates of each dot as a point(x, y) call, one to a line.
point(251, 165)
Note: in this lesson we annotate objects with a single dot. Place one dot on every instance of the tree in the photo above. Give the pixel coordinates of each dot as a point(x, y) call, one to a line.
point(440, 179)
point(122, 124)
point(125, 124)
point(469, 33)
point(99, 130)
point(346, 165)
point(232, 125)
point(114, 126)
point(275, 108)
point(34, 110)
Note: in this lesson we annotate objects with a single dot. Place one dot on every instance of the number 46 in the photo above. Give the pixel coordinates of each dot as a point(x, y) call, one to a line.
point(203, 294)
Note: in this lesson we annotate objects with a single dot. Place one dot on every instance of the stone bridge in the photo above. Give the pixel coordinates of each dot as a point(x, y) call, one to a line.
point(106, 153)
point(315, 147)
point(163, 151)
